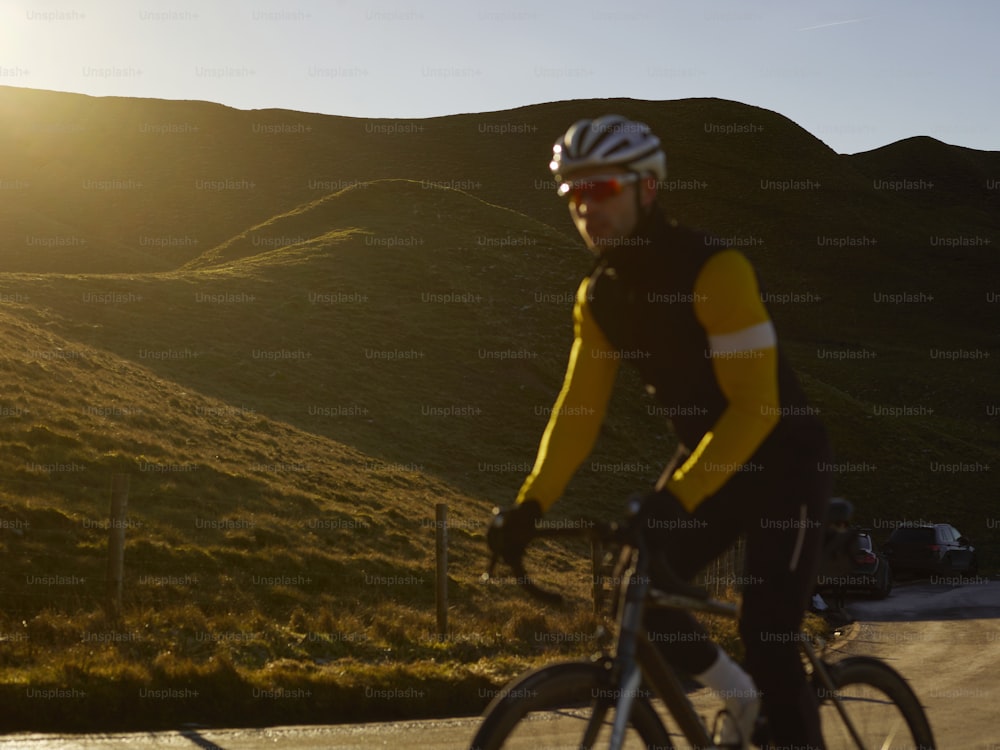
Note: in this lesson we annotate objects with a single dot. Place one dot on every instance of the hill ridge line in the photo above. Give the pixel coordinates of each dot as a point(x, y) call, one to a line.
point(211, 257)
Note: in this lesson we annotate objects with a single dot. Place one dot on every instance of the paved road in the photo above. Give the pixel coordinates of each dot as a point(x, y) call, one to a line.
point(944, 638)
point(446, 734)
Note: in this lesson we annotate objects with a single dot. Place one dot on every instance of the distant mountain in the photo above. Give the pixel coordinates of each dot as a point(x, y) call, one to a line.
point(128, 185)
point(934, 173)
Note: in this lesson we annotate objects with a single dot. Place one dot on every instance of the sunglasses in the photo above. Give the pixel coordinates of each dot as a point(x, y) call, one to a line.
point(597, 188)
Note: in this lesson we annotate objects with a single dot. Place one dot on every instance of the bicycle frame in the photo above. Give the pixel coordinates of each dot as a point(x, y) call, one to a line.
point(636, 655)
point(636, 660)
point(635, 652)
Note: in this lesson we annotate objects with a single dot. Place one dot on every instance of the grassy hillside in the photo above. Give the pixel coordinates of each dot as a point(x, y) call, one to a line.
point(381, 324)
point(458, 309)
point(130, 185)
point(443, 350)
point(263, 561)
point(288, 421)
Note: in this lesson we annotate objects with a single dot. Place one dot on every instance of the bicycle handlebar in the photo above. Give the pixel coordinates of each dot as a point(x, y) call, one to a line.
point(600, 531)
point(627, 533)
point(584, 528)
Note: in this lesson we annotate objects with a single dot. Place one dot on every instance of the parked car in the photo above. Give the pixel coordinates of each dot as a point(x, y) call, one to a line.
point(868, 571)
point(933, 549)
point(873, 571)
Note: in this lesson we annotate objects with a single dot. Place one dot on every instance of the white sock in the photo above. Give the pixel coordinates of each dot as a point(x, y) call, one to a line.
point(734, 686)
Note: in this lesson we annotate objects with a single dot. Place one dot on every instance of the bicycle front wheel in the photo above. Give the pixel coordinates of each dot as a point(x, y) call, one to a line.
point(567, 705)
point(880, 705)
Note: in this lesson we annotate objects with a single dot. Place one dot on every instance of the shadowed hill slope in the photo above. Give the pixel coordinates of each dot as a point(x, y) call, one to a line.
point(444, 349)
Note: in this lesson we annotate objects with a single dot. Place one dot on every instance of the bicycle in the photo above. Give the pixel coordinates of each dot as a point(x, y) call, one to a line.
point(611, 699)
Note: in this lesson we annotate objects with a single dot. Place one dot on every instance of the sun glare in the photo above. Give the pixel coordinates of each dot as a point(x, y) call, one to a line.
point(15, 63)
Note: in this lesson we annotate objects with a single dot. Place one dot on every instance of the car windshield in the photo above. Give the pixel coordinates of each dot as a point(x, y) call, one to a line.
point(912, 536)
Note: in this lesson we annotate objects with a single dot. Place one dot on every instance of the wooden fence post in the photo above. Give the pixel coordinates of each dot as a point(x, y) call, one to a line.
point(116, 542)
point(596, 560)
point(441, 555)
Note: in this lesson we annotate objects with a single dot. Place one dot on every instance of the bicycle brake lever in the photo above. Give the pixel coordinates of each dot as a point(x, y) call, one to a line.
point(488, 574)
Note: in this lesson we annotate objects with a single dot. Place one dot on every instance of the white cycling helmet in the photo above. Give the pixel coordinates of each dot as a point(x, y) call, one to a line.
point(608, 141)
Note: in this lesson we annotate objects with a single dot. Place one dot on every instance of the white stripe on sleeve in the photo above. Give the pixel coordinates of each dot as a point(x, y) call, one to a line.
point(760, 336)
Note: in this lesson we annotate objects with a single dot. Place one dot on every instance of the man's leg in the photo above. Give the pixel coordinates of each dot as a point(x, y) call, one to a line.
point(783, 553)
point(688, 543)
point(697, 540)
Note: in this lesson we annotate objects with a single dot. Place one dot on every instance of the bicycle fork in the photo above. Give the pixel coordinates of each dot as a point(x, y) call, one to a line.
point(635, 648)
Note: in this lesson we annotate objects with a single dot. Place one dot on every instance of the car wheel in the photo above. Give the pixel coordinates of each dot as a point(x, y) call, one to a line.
point(947, 565)
point(884, 582)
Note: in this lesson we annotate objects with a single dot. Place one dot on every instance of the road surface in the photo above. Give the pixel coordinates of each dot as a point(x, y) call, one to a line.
point(944, 638)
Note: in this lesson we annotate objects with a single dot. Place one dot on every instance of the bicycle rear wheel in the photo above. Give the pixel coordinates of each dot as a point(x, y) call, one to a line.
point(883, 709)
point(566, 705)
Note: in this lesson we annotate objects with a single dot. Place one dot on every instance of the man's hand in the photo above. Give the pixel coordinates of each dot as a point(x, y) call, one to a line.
point(512, 529)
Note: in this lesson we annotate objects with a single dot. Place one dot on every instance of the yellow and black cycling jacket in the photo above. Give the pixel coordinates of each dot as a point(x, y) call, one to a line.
point(687, 313)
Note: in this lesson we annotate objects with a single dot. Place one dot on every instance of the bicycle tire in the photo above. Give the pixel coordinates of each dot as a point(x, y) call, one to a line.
point(545, 705)
point(882, 706)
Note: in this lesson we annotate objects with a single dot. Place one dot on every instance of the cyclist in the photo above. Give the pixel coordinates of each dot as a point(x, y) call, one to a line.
point(688, 314)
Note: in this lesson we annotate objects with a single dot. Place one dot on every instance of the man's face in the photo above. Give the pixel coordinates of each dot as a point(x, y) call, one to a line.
point(603, 215)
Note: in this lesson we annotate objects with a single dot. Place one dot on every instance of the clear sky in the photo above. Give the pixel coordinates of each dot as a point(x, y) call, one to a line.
point(857, 73)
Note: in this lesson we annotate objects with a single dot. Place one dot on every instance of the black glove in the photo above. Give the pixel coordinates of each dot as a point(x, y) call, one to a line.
point(511, 529)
